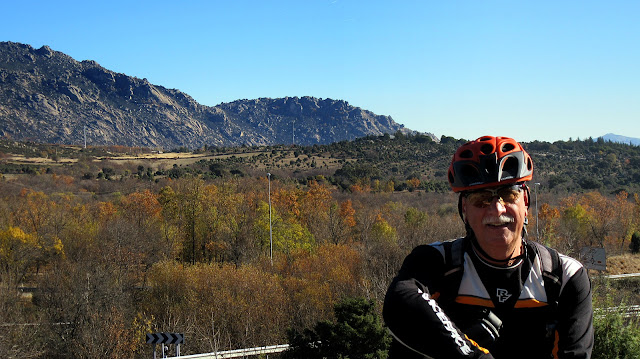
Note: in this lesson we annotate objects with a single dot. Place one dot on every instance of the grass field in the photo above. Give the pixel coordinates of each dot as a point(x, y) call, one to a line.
point(623, 264)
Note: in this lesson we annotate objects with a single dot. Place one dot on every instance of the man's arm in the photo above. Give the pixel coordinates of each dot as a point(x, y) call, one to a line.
point(416, 320)
point(575, 327)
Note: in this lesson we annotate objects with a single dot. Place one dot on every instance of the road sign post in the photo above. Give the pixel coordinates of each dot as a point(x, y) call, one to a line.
point(165, 338)
point(594, 258)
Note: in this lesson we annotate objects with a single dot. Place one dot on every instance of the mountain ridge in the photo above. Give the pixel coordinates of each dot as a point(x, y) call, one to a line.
point(612, 137)
point(47, 96)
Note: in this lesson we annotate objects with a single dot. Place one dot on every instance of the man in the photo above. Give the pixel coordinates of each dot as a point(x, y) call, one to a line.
point(493, 293)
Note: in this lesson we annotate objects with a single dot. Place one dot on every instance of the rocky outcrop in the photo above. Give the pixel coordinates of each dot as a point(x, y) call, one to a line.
point(47, 96)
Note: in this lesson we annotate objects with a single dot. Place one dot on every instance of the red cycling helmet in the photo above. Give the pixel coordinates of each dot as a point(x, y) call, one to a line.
point(488, 162)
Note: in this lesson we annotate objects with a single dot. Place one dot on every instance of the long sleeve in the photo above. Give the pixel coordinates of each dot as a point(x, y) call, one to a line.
point(416, 320)
point(575, 327)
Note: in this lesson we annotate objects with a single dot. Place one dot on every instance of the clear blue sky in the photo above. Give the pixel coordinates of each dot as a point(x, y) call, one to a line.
point(532, 70)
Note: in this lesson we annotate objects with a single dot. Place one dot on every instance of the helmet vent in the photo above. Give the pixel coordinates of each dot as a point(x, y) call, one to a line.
point(508, 147)
point(466, 154)
point(510, 168)
point(470, 173)
point(486, 149)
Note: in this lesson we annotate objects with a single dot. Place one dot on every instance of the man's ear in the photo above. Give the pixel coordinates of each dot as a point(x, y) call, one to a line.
point(526, 205)
point(463, 209)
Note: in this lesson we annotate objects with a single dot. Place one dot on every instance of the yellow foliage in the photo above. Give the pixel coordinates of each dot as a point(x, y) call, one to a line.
point(389, 186)
point(590, 219)
point(19, 251)
point(383, 231)
point(287, 234)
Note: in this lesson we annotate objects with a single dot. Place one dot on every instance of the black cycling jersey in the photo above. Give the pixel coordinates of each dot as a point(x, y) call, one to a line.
point(428, 322)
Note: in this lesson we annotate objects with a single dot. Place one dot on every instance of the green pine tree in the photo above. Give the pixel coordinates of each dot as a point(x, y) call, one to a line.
point(357, 333)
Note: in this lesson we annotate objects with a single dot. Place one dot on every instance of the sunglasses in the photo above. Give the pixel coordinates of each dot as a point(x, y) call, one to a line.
point(484, 197)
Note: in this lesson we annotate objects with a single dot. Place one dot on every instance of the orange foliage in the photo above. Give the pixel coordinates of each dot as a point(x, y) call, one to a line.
point(142, 205)
point(595, 219)
point(288, 201)
point(347, 213)
point(316, 280)
point(318, 197)
point(106, 211)
point(547, 216)
point(67, 180)
point(413, 182)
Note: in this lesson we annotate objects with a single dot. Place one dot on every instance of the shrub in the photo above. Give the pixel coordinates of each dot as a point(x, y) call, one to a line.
point(616, 336)
point(635, 243)
point(356, 334)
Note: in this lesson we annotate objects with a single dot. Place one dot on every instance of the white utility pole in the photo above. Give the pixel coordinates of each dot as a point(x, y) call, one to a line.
point(270, 230)
point(535, 189)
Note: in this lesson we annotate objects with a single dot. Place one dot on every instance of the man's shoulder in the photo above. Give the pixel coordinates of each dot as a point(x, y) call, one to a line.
point(443, 249)
point(430, 249)
point(569, 265)
point(573, 272)
point(429, 256)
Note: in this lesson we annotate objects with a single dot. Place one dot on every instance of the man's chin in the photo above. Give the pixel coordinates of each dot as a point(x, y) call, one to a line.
point(497, 236)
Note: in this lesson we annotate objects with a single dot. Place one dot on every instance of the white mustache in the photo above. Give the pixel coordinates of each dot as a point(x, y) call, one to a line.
point(498, 221)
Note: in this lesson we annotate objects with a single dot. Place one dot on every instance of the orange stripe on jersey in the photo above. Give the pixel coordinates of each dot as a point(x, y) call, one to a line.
point(555, 346)
point(474, 301)
point(530, 303)
point(477, 345)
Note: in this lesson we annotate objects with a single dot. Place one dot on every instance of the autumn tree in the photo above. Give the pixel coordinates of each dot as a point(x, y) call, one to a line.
point(182, 206)
point(595, 220)
point(218, 307)
point(19, 255)
point(286, 235)
point(341, 222)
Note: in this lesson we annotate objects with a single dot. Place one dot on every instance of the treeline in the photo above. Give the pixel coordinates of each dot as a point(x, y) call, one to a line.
point(226, 262)
point(384, 163)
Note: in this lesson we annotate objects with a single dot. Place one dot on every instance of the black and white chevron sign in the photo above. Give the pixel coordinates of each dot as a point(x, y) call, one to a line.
point(166, 338)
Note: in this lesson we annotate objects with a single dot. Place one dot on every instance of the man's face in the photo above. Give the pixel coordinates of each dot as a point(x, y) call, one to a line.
point(497, 217)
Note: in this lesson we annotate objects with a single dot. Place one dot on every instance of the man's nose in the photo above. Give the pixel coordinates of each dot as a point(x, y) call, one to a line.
point(497, 204)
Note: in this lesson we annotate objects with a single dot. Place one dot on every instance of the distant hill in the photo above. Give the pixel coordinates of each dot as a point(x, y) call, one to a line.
point(621, 139)
point(46, 96)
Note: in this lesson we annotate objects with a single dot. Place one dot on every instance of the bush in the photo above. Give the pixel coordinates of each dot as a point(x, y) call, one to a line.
point(616, 337)
point(356, 334)
point(635, 243)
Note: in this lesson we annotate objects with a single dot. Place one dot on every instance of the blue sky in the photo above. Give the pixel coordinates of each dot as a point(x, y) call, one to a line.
point(532, 70)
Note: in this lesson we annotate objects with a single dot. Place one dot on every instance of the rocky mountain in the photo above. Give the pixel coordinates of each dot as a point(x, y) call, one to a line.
point(47, 96)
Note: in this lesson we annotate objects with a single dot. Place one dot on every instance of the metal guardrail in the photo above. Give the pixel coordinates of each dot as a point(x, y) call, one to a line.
point(239, 353)
point(619, 276)
point(628, 310)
